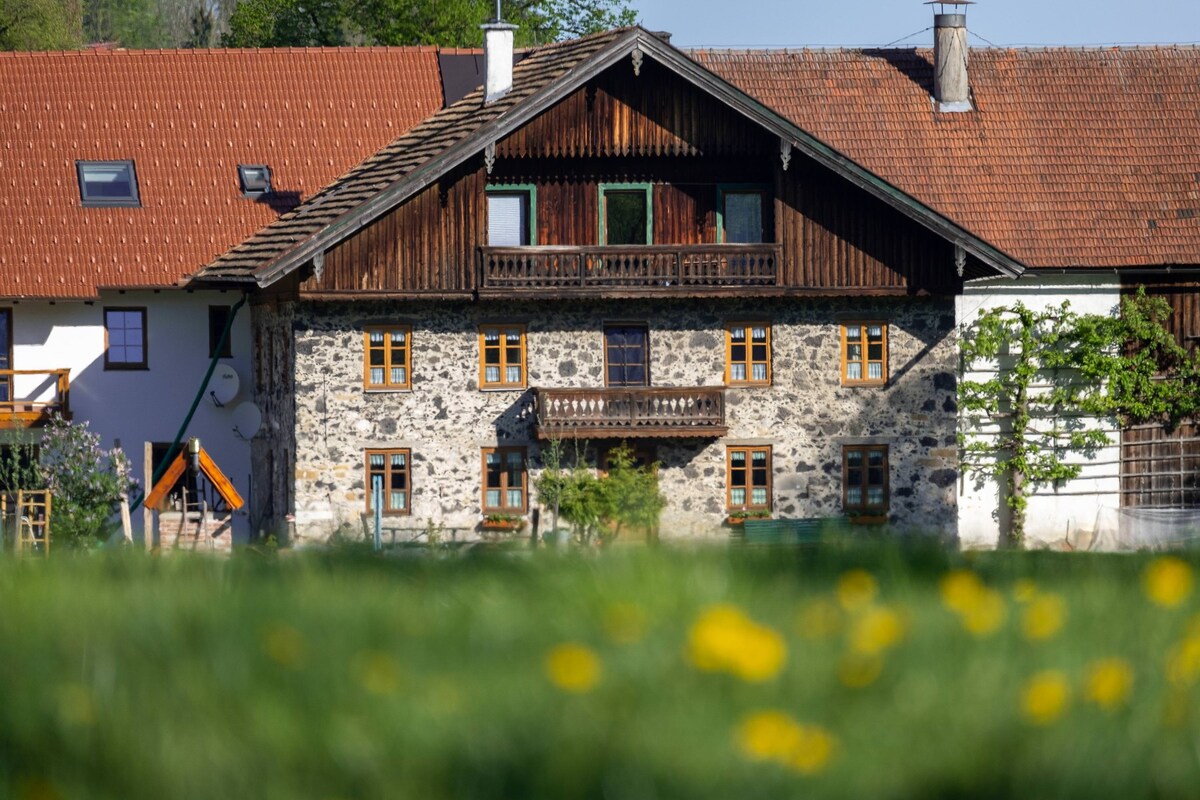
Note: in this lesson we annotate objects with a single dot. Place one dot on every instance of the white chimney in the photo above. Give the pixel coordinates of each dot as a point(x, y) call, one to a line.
point(497, 58)
point(951, 88)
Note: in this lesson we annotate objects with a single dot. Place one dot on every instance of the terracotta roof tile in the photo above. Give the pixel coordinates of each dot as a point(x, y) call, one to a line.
point(187, 118)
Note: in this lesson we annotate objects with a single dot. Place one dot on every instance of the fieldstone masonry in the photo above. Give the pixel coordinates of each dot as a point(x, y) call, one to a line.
point(806, 415)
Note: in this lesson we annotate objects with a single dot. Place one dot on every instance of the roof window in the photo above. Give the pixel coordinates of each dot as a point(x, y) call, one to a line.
point(107, 183)
point(255, 179)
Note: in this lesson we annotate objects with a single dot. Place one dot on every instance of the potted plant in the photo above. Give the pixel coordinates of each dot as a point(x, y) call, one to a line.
point(503, 522)
point(740, 516)
point(867, 517)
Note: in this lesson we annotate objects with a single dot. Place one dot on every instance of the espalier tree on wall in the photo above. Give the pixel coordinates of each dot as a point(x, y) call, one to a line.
point(1055, 373)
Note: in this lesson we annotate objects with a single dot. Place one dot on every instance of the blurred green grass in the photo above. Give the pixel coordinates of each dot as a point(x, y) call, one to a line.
point(342, 675)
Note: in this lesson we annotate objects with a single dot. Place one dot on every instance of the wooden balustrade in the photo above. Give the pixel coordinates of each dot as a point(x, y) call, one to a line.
point(629, 412)
point(27, 402)
point(637, 268)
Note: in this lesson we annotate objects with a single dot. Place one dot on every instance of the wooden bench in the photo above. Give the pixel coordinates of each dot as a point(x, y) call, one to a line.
point(802, 532)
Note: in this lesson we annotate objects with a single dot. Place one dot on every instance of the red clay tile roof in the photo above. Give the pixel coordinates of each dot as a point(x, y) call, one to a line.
point(187, 118)
point(1074, 157)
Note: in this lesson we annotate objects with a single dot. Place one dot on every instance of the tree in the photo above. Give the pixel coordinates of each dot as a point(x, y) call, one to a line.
point(202, 28)
point(1053, 372)
point(40, 25)
point(129, 23)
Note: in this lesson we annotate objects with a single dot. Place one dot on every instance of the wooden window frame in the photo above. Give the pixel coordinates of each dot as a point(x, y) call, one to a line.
point(740, 188)
point(749, 450)
point(503, 384)
point(387, 454)
point(504, 487)
point(214, 334)
point(648, 188)
point(144, 364)
point(864, 506)
point(387, 385)
point(530, 192)
point(865, 361)
point(730, 327)
point(645, 360)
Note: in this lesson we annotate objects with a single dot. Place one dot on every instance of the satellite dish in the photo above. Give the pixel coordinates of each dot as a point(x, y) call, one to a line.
point(247, 419)
point(223, 387)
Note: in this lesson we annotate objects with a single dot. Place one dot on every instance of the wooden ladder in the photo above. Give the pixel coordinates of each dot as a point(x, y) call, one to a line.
point(33, 521)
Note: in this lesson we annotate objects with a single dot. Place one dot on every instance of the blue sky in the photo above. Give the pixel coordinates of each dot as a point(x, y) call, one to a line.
point(748, 23)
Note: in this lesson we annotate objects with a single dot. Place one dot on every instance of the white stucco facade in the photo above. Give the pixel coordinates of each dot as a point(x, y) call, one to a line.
point(140, 405)
point(1071, 511)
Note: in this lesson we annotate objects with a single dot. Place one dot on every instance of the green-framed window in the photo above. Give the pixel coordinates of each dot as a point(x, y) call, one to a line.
point(626, 213)
point(512, 215)
point(741, 213)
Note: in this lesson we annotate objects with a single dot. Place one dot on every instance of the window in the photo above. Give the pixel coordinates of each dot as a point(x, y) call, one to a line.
point(6, 356)
point(502, 357)
point(749, 478)
point(255, 179)
point(218, 318)
point(748, 354)
point(390, 469)
point(626, 213)
point(512, 215)
point(125, 338)
point(864, 353)
point(107, 183)
point(740, 215)
point(626, 355)
point(865, 478)
point(388, 357)
point(504, 480)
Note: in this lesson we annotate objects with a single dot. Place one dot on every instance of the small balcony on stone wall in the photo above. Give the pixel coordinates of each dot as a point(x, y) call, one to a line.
point(630, 412)
point(629, 270)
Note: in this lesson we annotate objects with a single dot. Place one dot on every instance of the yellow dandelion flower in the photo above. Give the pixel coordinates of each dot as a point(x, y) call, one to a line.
point(376, 672)
point(573, 668)
point(1109, 682)
point(1024, 590)
point(625, 623)
point(986, 614)
point(877, 630)
point(1043, 617)
point(1168, 581)
point(774, 736)
point(723, 639)
point(284, 645)
point(819, 619)
point(814, 750)
point(856, 589)
point(1183, 662)
point(960, 590)
point(76, 705)
point(859, 670)
point(1045, 697)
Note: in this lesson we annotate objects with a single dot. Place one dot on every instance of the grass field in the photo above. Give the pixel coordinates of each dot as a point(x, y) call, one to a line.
point(856, 671)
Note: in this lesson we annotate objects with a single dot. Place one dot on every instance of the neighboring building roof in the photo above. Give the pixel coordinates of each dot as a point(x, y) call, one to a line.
point(464, 129)
point(187, 118)
point(1074, 157)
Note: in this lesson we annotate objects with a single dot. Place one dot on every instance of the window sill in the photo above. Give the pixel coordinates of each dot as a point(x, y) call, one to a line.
point(387, 390)
point(513, 388)
point(864, 384)
point(126, 367)
point(748, 385)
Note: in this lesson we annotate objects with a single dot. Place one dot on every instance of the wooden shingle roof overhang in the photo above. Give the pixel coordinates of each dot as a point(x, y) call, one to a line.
point(461, 132)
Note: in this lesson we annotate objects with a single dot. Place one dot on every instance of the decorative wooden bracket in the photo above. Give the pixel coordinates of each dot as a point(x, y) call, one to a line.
point(319, 265)
point(637, 55)
point(960, 259)
point(489, 157)
point(785, 153)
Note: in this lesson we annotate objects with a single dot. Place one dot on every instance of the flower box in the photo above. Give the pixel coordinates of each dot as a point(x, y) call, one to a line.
point(506, 524)
point(869, 519)
point(738, 521)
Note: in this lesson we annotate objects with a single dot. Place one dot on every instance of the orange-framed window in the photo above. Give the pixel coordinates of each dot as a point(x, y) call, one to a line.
point(388, 361)
point(864, 353)
point(501, 356)
point(748, 354)
point(392, 470)
point(748, 478)
point(505, 480)
point(865, 478)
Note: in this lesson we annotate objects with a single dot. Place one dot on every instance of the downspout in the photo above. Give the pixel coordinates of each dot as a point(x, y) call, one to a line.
point(212, 365)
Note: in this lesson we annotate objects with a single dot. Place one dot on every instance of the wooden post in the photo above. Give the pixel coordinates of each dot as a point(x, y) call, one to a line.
point(126, 523)
point(147, 480)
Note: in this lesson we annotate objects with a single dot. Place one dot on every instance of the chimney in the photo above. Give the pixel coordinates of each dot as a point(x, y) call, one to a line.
point(497, 58)
point(951, 88)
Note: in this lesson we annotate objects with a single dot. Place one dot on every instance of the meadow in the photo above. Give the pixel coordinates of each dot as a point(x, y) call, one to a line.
point(853, 670)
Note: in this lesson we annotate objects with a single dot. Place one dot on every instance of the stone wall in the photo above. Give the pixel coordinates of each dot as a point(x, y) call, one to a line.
point(806, 414)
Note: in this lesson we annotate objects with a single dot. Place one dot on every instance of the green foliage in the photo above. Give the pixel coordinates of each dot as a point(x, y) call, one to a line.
point(1054, 368)
point(203, 28)
point(129, 23)
point(86, 483)
point(40, 25)
point(19, 467)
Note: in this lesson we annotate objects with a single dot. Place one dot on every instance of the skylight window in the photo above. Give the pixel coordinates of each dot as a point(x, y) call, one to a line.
point(107, 183)
point(255, 179)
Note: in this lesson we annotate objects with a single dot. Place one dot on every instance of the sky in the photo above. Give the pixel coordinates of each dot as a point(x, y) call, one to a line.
point(808, 23)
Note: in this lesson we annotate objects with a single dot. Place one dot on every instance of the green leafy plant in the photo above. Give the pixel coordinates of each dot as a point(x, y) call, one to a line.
point(743, 514)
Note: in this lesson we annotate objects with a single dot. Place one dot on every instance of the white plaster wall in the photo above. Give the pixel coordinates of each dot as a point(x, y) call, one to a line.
point(1072, 511)
point(137, 406)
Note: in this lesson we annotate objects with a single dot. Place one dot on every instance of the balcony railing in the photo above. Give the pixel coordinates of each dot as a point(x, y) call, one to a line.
point(29, 396)
point(637, 268)
point(629, 412)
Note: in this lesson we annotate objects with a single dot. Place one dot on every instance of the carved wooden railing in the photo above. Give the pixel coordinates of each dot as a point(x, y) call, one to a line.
point(629, 411)
point(41, 397)
point(629, 267)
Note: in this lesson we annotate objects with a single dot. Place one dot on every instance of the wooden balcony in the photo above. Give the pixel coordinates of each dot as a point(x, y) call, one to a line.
point(629, 269)
point(630, 412)
point(28, 397)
